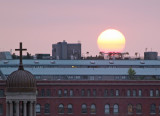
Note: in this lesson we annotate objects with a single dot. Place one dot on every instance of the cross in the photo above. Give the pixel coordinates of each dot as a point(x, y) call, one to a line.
point(20, 54)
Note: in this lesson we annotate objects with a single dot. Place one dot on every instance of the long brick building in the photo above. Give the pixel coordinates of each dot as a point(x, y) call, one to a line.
point(98, 98)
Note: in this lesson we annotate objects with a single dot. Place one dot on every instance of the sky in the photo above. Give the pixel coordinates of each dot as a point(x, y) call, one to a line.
point(41, 23)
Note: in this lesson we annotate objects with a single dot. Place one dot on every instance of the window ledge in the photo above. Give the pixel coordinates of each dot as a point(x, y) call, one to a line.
point(46, 113)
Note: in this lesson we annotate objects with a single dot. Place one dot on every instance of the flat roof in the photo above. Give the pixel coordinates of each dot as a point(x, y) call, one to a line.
point(81, 62)
point(85, 71)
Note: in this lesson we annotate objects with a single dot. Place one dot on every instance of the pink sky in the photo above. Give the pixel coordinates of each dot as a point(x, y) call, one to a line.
point(40, 23)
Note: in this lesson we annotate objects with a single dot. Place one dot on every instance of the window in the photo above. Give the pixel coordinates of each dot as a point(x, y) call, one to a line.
point(48, 92)
point(61, 108)
point(47, 108)
point(157, 92)
point(38, 108)
point(112, 92)
point(153, 108)
point(82, 92)
point(1, 108)
point(70, 108)
point(94, 92)
point(71, 92)
point(84, 108)
point(59, 92)
point(117, 92)
point(1, 93)
point(65, 92)
point(128, 92)
point(138, 108)
point(115, 108)
point(134, 93)
point(107, 109)
point(130, 108)
point(93, 109)
point(42, 92)
point(151, 93)
point(139, 92)
point(88, 92)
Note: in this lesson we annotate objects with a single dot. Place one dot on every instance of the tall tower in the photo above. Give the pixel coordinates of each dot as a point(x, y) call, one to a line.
point(20, 92)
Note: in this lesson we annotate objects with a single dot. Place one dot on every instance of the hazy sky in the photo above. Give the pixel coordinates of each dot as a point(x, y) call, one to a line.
point(40, 23)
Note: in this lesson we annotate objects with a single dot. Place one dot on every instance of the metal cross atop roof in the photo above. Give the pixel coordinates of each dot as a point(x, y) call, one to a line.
point(20, 55)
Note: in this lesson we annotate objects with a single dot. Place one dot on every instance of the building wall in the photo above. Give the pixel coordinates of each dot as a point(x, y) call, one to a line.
point(150, 55)
point(64, 51)
point(48, 94)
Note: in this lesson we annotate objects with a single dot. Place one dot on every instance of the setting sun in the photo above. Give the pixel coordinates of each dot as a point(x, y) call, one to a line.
point(111, 40)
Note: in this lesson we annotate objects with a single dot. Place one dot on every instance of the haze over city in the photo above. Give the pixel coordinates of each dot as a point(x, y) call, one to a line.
point(39, 24)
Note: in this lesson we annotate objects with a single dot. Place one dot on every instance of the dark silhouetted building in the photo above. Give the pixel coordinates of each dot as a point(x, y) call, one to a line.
point(150, 55)
point(43, 56)
point(64, 51)
point(5, 56)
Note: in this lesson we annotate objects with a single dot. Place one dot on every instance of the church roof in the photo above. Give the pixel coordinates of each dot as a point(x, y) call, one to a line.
point(21, 80)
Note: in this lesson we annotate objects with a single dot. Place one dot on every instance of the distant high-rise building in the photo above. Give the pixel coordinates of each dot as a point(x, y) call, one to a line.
point(42, 56)
point(64, 50)
point(5, 55)
point(150, 55)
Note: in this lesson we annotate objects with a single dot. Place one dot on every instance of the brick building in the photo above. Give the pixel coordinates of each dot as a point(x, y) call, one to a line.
point(98, 98)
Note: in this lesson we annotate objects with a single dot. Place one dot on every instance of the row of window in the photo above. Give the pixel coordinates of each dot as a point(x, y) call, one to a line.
point(107, 108)
point(93, 92)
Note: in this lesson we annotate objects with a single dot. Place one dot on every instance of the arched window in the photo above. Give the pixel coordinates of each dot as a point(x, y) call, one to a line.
point(59, 92)
point(107, 109)
point(139, 93)
point(94, 92)
point(128, 92)
point(38, 108)
point(116, 108)
point(134, 92)
point(1, 108)
point(42, 92)
point(93, 108)
point(153, 108)
point(1, 92)
point(48, 92)
point(105, 92)
point(47, 108)
point(112, 92)
point(82, 92)
point(70, 108)
point(138, 108)
point(88, 92)
point(71, 92)
point(84, 108)
point(65, 92)
point(117, 92)
point(151, 93)
point(130, 108)
point(157, 92)
point(61, 108)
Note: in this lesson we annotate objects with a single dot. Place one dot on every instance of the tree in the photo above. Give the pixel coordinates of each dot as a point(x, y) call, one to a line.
point(136, 53)
point(131, 73)
point(14, 56)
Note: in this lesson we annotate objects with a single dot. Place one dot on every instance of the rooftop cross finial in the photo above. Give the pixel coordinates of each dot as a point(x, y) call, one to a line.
point(20, 54)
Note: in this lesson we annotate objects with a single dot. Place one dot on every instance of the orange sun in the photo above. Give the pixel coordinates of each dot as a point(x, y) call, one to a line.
point(111, 40)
